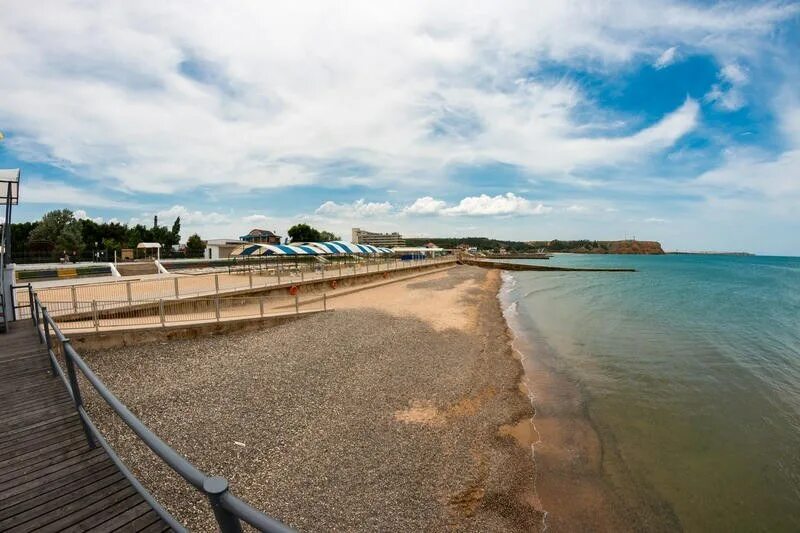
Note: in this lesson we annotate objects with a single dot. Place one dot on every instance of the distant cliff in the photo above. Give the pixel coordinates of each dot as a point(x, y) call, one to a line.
point(601, 247)
point(635, 247)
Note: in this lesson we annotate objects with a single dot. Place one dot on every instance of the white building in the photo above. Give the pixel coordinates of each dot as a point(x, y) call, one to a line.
point(221, 248)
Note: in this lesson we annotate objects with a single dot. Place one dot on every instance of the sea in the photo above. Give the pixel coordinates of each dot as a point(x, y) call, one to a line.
point(666, 398)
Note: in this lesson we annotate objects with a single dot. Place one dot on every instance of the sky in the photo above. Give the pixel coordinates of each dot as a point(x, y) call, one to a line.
point(669, 121)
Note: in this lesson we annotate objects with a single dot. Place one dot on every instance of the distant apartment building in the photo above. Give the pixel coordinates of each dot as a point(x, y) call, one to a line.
point(261, 236)
point(388, 240)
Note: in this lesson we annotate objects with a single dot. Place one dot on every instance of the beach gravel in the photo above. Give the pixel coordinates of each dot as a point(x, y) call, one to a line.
point(353, 420)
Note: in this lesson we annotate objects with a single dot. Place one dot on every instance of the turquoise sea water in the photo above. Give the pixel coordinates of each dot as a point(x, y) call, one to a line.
point(688, 372)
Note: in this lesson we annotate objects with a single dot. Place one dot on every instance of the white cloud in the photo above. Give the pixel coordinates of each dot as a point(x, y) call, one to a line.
point(80, 214)
point(257, 219)
point(426, 205)
point(282, 91)
point(575, 208)
point(507, 204)
point(188, 217)
point(666, 58)
point(357, 209)
point(656, 220)
point(727, 95)
point(483, 205)
point(39, 191)
point(734, 73)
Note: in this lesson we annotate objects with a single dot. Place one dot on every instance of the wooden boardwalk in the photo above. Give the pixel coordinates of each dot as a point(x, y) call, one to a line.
point(50, 479)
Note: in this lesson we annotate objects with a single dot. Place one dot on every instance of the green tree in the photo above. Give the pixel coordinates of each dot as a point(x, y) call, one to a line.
point(303, 233)
point(195, 246)
point(60, 228)
point(328, 236)
point(176, 231)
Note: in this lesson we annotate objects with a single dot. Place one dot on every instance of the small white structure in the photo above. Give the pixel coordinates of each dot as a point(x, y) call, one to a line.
point(149, 246)
point(221, 248)
point(418, 251)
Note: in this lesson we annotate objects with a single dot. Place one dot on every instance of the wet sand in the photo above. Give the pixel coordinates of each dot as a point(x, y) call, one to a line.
point(581, 481)
point(401, 410)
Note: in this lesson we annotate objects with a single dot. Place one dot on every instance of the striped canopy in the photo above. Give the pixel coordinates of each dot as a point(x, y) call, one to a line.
point(312, 248)
point(275, 249)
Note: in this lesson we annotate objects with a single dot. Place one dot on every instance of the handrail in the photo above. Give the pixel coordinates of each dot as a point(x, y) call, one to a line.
point(228, 509)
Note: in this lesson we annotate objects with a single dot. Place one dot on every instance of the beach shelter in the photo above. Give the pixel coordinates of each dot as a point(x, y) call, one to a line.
point(260, 249)
point(150, 246)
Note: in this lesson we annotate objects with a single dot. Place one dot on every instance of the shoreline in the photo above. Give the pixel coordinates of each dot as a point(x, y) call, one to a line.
point(581, 477)
point(415, 418)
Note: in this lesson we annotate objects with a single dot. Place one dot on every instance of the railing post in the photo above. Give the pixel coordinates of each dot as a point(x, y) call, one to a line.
point(30, 302)
point(76, 391)
point(340, 269)
point(215, 488)
point(278, 270)
point(323, 271)
point(74, 299)
point(216, 283)
point(216, 307)
point(296, 304)
point(128, 291)
point(161, 312)
point(48, 341)
point(302, 277)
point(176, 287)
point(324, 301)
point(251, 278)
point(261, 306)
point(95, 318)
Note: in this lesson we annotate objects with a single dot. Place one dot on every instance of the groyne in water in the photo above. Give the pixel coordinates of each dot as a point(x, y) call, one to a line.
point(520, 266)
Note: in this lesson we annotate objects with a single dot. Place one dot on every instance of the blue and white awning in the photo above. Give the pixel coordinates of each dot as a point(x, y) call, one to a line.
point(275, 249)
point(311, 248)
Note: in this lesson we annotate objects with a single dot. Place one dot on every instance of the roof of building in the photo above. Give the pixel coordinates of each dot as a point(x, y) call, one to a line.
point(224, 242)
point(262, 233)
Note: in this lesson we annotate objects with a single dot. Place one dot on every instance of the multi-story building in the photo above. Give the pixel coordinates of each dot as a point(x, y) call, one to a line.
point(261, 236)
point(389, 240)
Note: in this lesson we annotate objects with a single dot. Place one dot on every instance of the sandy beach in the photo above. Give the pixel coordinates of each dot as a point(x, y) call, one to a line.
point(401, 410)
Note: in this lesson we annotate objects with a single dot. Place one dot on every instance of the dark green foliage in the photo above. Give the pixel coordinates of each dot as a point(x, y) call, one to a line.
point(195, 246)
point(60, 232)
point(493, 245)
point(325, 236)
point(305, 233)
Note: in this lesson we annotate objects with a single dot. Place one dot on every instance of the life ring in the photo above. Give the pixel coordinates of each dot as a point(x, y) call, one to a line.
point(333, 284)
point(293, 290)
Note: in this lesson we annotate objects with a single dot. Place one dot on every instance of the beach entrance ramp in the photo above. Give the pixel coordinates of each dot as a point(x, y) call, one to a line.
point(51, 479)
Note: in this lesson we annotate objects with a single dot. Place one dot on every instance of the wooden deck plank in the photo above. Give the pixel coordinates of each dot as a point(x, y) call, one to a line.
point(30, 509)
point(50, 480)
point(109, 517)
point(69, 486)
point(140, 523)
point(45, 469)
point(53, 456)
point(66, 515)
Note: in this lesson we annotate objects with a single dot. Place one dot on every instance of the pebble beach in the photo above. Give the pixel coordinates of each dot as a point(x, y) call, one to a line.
point(400, 410)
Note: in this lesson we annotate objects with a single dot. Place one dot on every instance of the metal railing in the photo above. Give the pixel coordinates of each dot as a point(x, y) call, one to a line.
point(97, 316)
point(68, 299)
point(228, 510)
